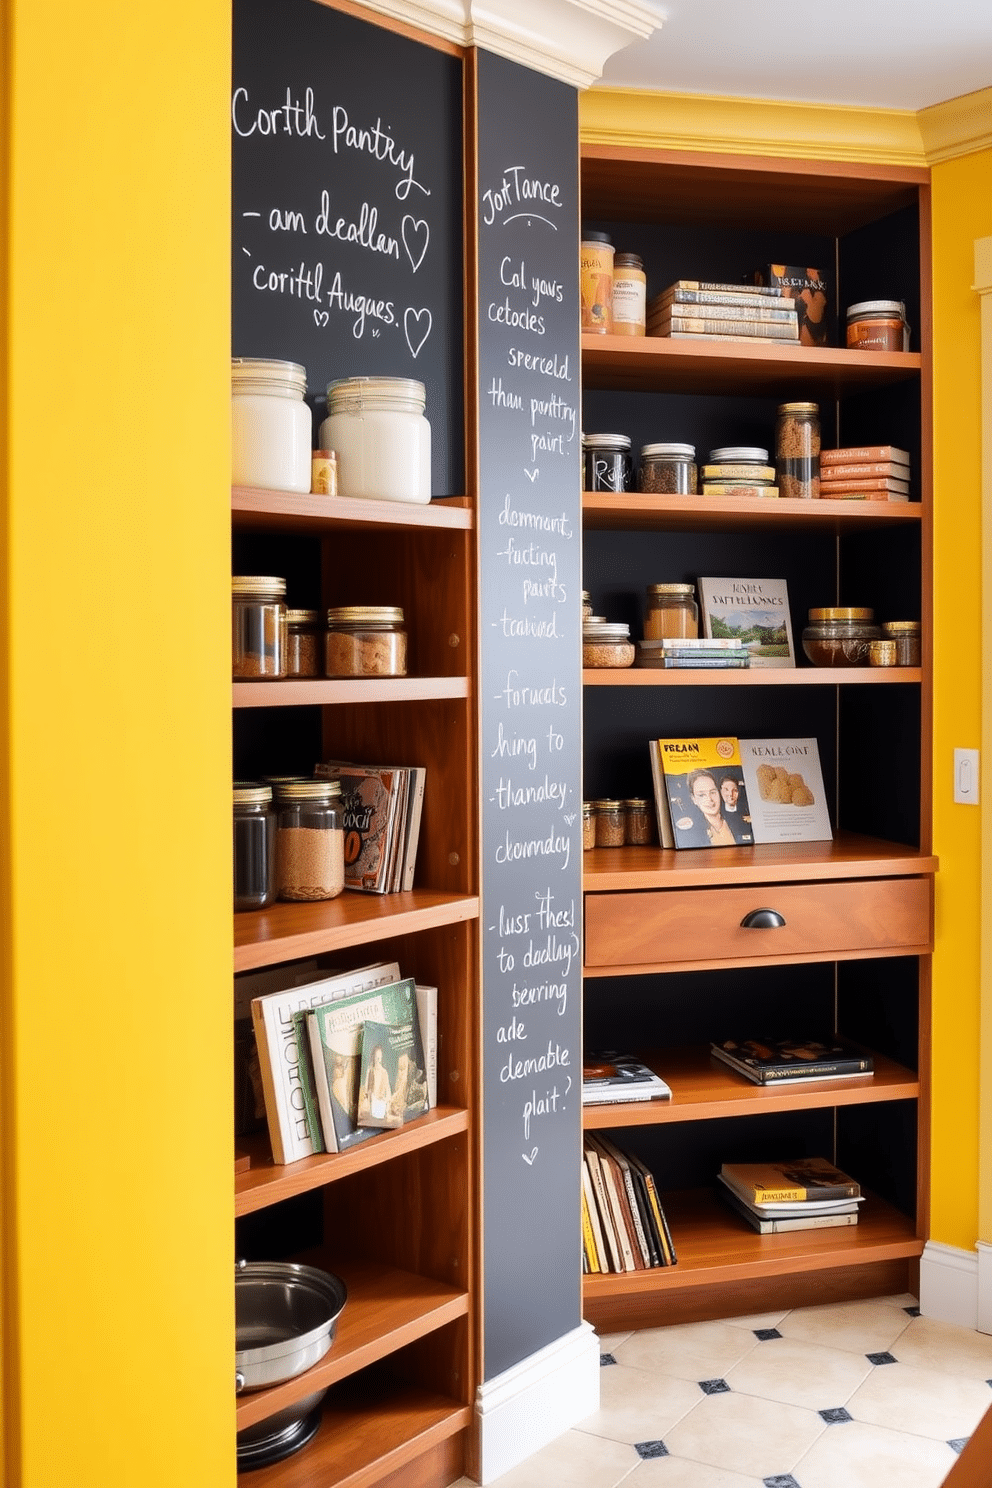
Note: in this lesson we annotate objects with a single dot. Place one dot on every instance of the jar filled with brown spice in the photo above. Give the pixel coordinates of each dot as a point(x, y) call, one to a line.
point(610, 829)
point(797, 451)
point(258, 627)
point(302, 643)
point(638, 825)
point(310, 840)
point(671, 612)
point(588, 826)
point(365, 641)
point(606, 645)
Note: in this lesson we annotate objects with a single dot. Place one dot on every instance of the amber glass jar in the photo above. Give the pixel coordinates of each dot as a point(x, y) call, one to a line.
point(365, 641)
point(258, 627)
point(671, 612)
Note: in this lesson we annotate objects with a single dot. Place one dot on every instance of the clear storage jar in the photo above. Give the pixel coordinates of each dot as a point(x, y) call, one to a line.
point(840, 636)
point(668, 470)
point(302, 643)
point(377, 429)
point(610, 827)
point(671, 612)
point(638, 825)
point(254, 846)
point(907, 635)
point(310, 840)
point(607, 463)
point(365, 641)
point(271, 426)
point(606, 645)
point(797, 450)
point(258, 627)
point(588, 826)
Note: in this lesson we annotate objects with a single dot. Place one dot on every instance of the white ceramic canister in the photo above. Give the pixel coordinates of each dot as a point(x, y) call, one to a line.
point(271, 425)
point(376, 425)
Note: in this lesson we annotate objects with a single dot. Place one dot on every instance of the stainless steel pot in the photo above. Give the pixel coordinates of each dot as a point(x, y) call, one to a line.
point(286, 1319)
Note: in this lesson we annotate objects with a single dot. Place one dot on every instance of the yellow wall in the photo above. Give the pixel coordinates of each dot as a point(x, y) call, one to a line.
point(962, 211)
point(114, 670)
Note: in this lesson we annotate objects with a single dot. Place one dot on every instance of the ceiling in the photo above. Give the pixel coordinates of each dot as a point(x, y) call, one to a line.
point(900, 54)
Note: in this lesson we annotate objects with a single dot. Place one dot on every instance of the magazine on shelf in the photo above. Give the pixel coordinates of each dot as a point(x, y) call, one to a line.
point(782, 1224)
point(700, 793)
point(382, 806)
point(609, 1078)
point(789, 1061)
point(754, 612)
point(800, 1180)
point(393, 1085)
point(785, 790)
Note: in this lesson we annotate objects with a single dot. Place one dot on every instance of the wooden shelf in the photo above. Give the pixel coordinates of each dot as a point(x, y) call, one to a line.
point(703, 1089)
point(255, 509)
point(319, 691)
point(631, 511)
point(606, 870)
point(287, 932)
point(366, 1436)
point(738, 368)
point(803, 676)
point(267, 1182)
point(386, 1309)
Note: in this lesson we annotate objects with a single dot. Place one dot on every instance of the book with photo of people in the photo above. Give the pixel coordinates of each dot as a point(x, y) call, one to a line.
point(393, 1084)
point(700, 794)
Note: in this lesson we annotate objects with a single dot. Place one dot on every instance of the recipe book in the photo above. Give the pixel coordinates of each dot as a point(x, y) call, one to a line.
point(754, 612)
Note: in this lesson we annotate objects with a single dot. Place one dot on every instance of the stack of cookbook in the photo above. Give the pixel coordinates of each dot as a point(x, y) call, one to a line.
point(695, 309)
point(806, 1193)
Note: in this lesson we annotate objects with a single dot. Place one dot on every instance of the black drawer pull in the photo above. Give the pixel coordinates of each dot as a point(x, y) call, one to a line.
point(763, 919)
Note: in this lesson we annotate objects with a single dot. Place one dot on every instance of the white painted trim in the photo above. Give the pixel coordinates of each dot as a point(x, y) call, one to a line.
point(949, 1284)
point(526, 1407)
point(984, 1323)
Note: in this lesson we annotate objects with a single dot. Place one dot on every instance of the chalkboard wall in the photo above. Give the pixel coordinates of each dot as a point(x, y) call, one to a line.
point(348, 207)
point(530, 703)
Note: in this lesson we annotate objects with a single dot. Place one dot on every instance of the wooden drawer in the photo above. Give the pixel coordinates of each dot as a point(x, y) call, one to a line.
point(679, 926)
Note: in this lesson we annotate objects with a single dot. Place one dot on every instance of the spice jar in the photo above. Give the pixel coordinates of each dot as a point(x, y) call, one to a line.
point(906, 634)
point(637, 828)
point(302, 643)
point(258, 627)
point(629, 295)
point(797, 450)
point(667, 470)
point(671, 612)
point(254, 846)
point(271, 426)
point(606, 645)
point(878, 325)
point(365, 641)
point(596, 282)
point(588, 826)
point(377, 429)
point(310, 840)
point(840, 636)
point(609, 823)
point(607, 463)
point(324, 472)
point(882, 653)
point(586, 606)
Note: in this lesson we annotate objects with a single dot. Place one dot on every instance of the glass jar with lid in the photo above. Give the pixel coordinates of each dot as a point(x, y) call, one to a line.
point(607, 463)
point(840, 636)
point(907, 636)
point(254, 846)
point(271, 425)
point(365, 641)
point(671, 612)
point(638, 826)
point(797, 450)
point(310, 840)
point(668, 470)
point(878, 325)
point(302, 643)
point(606, 645)
point(610, 828)
point(588, 826)
point(377, 428)
point(258, 627)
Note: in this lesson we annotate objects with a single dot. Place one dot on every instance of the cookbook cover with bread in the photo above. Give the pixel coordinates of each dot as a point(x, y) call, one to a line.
point(785, 790)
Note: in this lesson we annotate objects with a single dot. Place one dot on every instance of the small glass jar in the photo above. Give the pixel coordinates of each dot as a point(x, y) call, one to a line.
point(797, 451)
point(638, 826)
point(271, 426)
point(606, 645)
point(607, 462)
point(610, 829)
point(596, 282)
point(671, 612)
point(254, 846)
point(377, 429)
point(882, 653)
point(365, 641)
point(878, 325)
point(907, 636)
point(840, 636)
point(588, 826)
point(586, 606)
point(258, 627)
point(310, 841)
point(630, 293)
point(302, 643)
point(324, 472)
point(668, 470)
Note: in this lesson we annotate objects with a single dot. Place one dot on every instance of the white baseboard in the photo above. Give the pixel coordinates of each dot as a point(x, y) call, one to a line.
point(526, 1407)
point(949, 1284)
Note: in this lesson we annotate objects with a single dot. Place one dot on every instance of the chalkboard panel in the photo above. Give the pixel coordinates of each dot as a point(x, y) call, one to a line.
point(530, 691)
point(347, 207)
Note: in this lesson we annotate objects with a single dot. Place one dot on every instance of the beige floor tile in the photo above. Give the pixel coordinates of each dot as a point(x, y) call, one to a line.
point(609, 1341)
point(902, 1299)
point(947, 1348)
point(690, 1351)
point(757, 1438)
point(757, 1320)
point(677, 1472)
point(576, 1460)
point(799, 1373)
point(862, 1327)
point(639, 1404)
point(921, 1401)
point(857, 1456)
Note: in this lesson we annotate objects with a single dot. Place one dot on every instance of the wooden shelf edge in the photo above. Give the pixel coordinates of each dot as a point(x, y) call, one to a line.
point(266, 1183)
point(319, 692)
point(605, 511)
point(286, 932)
point(748, 676)
point(799, 958)
point(253, 506)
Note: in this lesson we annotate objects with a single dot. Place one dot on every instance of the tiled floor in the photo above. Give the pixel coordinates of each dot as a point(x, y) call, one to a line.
point(852, 1395)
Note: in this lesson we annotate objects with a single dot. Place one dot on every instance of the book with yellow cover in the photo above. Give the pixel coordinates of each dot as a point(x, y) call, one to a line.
point(700, 794)
point(798, 1181)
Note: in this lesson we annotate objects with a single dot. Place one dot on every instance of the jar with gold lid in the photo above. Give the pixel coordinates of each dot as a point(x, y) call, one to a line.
point(365, 641)
point(907, 636)
point(610, 827)
point(797, 451)
point(637, 821)
point(254, 845)
point(310, 840)
point(302, 643)
point(258, 627)
point(840, 636)
point(588, 826)
point(671, 612)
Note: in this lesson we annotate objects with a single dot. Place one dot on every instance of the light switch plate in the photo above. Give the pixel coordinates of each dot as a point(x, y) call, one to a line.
point(966, 777)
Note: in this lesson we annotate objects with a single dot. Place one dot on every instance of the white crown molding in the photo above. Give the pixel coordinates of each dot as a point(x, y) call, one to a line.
point(961, 126)
point(567, 39)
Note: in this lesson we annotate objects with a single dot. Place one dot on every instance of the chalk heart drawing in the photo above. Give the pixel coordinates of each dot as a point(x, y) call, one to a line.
point(320, 317)
point(532, 475)
point(529, 1160)
point(570, 820)
point(417, 327)
point(416, 235)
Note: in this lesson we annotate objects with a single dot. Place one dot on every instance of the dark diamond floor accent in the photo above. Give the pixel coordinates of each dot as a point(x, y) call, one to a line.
point(651, 1449)
point(606, 1359)
point(714, 1387)
point(958, 1444)
point(883, 1358)
point(763, 1334)
point(913, 1311)
point(835, 1415)
point(781, 1480)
